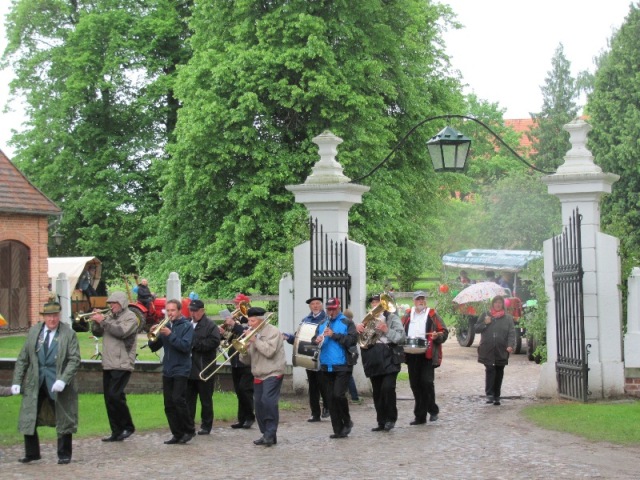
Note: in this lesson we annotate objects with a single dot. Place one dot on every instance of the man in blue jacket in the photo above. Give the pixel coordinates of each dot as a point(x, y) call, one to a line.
point(176, 367)
point(335, 336)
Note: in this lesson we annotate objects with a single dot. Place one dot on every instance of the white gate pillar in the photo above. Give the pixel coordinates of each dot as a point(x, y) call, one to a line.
point(581, 183)
point(328, 196)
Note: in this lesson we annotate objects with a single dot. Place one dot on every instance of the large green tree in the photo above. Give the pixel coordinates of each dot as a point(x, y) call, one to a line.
point(96, 77)
point(264, 79)
point(614, 112)
point(559, 96)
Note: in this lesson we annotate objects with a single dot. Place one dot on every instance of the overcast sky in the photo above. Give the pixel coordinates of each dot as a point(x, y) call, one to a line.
point(504, 50)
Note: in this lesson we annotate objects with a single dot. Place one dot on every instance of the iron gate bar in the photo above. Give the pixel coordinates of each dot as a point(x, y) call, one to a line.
point(329, 266)
point(572, 357)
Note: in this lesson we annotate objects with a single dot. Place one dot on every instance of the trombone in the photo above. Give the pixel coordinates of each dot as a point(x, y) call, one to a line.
point(227, 332)
point(240, 345)
point(81, 317)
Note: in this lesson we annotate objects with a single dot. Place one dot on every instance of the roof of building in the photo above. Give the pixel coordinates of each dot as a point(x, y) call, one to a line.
point(521, 126)
point(19, 195)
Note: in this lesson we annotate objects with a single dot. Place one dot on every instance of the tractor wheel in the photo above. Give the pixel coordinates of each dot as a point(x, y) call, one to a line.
point(467, 335)
point(141, 319)
point(518, 341)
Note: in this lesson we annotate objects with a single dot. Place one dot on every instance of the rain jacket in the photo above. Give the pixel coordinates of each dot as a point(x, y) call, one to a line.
point(494, 339)
point(27, 374)
point(177, 348)
point(119, 336)
point(333, 350)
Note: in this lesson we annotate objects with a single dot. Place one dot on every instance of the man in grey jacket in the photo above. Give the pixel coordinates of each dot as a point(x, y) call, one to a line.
point(118, 330)
point(265, 354)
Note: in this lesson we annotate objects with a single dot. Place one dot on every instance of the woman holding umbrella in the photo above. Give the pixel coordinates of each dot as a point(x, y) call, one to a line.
point(497, 341)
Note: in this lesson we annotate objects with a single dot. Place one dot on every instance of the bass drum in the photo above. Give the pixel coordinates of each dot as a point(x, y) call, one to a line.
point(305, 352)
point(415, 345)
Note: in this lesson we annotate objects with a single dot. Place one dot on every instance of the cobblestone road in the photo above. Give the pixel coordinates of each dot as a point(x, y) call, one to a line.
point(471, 440)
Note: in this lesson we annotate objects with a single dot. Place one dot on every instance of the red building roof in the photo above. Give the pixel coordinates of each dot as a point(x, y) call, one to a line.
point(521, 126)
point(19, 195)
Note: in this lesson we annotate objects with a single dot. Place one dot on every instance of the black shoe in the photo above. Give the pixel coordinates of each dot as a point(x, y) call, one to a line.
point(28, 459)
point(389, 425)
point(203, 431)
point(64, 461)
point(325, 413)
point(259, 441)
point(247, 424)
point(111, 438)
point(496, 402)
point(171, 441)
point(418, 421)
point(346, 430)
point(124, 434)
point(314, 419)
point(433, 417)
point(237, 425)
point(338, 435)
point(379, 428)
point(186, 438)
point(489, 400)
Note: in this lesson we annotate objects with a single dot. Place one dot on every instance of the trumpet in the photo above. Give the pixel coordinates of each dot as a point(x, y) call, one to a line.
point(81, 317)
point(155, 330)
point(240, 345)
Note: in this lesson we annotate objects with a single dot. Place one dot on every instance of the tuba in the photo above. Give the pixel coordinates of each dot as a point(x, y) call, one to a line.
point(155, 330)
point(370, 335)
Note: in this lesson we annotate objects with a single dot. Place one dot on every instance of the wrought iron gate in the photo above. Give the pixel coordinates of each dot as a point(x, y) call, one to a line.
point(572, 363)
point(329, 266)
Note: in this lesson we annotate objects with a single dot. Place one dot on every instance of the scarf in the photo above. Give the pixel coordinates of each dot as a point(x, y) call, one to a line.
point(497, 313)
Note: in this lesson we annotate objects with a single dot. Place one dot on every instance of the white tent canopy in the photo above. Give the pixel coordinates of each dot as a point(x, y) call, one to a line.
point(73, 267)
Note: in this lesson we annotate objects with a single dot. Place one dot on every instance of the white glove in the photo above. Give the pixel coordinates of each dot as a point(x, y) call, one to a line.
point(15, 389)
point(58, 386)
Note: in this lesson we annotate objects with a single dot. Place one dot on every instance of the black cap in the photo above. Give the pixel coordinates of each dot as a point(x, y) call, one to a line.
point(375, 296)
point(315, 298)
point(256, 312)
point(196, 305)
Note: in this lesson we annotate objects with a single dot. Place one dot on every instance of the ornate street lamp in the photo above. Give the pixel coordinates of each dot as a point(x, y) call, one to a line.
point(448, 149)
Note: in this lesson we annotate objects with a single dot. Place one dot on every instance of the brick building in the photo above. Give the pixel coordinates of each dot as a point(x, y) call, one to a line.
point(24, 234)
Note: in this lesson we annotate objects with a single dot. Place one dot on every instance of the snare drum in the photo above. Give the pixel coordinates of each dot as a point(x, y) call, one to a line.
point(415, 345)
point(305, 352)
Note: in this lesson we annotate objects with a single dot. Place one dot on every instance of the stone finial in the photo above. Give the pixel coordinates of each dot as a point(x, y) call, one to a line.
point(579, 159)
point(327, 170)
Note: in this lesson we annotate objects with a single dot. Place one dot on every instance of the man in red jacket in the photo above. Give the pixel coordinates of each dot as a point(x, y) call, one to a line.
point(422, 322)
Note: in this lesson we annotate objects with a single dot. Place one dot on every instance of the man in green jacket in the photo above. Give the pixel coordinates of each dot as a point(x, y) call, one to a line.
point(45, 374)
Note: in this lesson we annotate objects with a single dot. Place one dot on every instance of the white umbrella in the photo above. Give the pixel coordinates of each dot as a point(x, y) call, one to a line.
point(479, 292)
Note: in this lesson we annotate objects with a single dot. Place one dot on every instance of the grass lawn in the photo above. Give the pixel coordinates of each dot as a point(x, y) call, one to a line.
point(601, 422)
point(10, 347)
point(147, 411)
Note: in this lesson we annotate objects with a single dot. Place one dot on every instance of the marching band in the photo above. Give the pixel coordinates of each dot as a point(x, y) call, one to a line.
point(325, 344)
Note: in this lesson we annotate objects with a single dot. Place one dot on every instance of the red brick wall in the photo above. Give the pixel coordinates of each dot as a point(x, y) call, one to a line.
point(32, 231)
point(632, 386)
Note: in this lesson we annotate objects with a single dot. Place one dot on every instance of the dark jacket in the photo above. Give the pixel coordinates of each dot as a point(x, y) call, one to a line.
point(144, 293)
point(177, 349)
point(238, 330)
point(385, 358)
point(206, 339)
point(333, 351)
point(495, 338)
